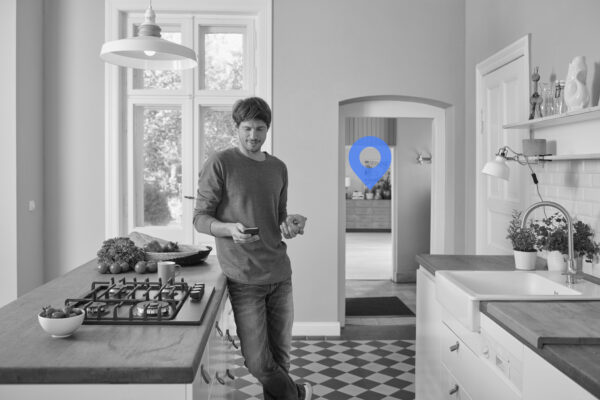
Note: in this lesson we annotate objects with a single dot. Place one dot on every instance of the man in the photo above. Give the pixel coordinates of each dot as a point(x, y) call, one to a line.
point(242, 188)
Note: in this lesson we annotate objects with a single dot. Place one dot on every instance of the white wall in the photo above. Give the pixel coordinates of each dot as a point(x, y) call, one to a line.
point(21, 154)
point(74, 133)
point(412, 188)
point(329, 51)
point(30, 142)
point(559, 31)
point(8, 151)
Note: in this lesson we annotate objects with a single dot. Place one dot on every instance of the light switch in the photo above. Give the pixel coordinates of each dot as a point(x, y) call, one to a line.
point(31, 205)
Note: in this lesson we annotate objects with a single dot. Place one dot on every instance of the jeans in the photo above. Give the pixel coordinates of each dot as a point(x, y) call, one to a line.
point(264, 315)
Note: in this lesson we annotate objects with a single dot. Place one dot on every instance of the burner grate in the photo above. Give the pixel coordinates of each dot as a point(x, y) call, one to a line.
point(137, 302)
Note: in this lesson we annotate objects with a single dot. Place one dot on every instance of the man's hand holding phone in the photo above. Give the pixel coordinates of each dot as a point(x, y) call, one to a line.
point(243, 234)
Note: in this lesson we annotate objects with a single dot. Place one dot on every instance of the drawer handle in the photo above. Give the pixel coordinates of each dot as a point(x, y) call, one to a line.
point(218, 328)
point(453, 390)
point(454, 347)
point(231, 339)
point(205, 376)
point(229, 374)
point(219, 379)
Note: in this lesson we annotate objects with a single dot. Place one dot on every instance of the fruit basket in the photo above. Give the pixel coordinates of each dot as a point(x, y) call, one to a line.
point(185, 255)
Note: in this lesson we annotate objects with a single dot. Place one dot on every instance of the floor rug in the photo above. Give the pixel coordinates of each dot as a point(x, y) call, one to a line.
point(343, 370)
point(373, 306)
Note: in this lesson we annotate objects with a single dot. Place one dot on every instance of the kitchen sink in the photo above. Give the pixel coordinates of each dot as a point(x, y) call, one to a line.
point(461, 291)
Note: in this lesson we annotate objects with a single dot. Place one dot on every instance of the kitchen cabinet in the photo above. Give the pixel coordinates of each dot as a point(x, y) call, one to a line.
point(365, 215)
point(543, 381)
point(153, 362)
point(453, 362)
point(428, 383)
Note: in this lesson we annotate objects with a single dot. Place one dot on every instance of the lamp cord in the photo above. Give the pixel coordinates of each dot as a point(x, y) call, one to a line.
point(533, 175)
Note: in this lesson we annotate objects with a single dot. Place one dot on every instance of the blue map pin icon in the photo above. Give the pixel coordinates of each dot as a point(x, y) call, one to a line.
point(370, 176)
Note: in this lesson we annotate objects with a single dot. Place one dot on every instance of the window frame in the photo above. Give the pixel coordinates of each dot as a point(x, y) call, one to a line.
point(117, 126)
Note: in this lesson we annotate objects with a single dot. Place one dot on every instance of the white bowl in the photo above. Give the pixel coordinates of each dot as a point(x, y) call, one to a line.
point(62, 327)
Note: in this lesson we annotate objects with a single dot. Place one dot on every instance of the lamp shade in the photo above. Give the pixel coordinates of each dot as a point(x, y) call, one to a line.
point(148, 50)
point(497, 168)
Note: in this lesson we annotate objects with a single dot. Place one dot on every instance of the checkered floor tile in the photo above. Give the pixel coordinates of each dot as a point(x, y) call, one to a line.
point(344, 369)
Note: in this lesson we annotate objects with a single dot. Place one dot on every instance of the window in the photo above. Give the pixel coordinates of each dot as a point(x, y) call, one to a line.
point(162, 125)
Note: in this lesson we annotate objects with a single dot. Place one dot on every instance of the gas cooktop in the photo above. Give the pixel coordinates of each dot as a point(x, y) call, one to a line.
point(133, 302)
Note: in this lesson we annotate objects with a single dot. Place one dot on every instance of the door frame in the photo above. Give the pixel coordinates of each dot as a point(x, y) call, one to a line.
point(442, 179)
point(517, 49)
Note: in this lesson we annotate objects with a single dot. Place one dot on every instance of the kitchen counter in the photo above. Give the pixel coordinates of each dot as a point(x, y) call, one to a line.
point(102, 353)
point(580, 362)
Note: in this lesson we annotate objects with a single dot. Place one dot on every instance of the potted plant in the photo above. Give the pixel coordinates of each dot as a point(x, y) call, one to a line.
point(553, 236)
point(386, 186)
point(523, 241)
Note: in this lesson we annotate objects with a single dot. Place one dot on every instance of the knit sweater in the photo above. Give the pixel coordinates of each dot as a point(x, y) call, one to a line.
point(235, 188)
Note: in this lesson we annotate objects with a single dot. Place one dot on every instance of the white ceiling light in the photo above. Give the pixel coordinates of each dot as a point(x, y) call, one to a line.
point(148, 50)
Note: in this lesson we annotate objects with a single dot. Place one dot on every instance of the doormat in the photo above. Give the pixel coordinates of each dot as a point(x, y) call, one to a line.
point(376, 306)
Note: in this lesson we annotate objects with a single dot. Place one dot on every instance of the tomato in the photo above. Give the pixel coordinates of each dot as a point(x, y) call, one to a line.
point(58, 314)
point(124, 266)
point(140, 267)
point(115, 268)
point(151, 266)
point(103, 268)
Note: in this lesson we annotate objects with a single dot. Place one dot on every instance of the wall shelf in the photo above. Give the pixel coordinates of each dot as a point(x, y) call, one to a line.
point(569, 117)
point(568, 157)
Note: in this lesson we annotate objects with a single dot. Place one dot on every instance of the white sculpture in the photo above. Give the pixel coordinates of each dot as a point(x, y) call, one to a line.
point(576, 92)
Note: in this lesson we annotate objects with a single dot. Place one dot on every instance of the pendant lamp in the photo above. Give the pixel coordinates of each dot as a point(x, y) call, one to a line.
point(148, 50)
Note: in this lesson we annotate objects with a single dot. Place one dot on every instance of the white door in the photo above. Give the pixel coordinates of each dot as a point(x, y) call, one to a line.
point(502, 98)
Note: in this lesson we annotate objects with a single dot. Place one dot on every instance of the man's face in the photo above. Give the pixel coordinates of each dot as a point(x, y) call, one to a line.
point(252, 135)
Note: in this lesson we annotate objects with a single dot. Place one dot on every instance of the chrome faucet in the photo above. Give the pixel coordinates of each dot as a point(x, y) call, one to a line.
point(571, 271)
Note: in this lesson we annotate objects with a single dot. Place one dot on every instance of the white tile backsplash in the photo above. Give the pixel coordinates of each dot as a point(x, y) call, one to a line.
point(576, 186)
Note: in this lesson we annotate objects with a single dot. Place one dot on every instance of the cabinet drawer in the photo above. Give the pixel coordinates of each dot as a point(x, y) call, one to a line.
point(458, 358)
point(452, 387)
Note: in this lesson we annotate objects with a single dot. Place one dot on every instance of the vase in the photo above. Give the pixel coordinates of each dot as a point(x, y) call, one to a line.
point(556, 261)
point(386, 194)
point(525, 260)
point(369, 196)
point(576, 93)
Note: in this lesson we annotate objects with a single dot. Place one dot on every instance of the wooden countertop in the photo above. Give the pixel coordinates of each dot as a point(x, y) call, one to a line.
point(102, 353)
point(435, 262)
point(580, 362)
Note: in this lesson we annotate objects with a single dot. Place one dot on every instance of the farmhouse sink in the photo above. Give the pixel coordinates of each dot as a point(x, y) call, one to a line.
point(461, 291)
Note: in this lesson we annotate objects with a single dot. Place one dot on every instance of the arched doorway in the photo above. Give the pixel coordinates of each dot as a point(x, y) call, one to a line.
point(442, 171)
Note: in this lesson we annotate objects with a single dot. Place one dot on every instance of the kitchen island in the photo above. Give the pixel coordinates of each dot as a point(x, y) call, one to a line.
point(554, 371)
point(111, 361)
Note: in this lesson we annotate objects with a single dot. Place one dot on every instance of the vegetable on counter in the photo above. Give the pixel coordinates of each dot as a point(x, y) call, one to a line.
point(118, 255)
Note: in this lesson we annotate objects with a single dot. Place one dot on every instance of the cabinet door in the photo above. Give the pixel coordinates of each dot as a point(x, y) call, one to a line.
point(428, 360)
point(200, 388)
point(542, 381)
point(223, 353)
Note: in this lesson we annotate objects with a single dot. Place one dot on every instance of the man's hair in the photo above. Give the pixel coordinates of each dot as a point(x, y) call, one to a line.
point(249, 109)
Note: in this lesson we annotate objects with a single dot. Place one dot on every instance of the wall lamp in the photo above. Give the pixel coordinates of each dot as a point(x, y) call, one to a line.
point(498, 167)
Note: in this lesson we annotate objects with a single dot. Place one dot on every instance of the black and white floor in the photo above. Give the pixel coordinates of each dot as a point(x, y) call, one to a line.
point(344, 369)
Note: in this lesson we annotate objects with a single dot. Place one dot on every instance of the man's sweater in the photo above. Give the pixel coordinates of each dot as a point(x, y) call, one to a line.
point(235, 188)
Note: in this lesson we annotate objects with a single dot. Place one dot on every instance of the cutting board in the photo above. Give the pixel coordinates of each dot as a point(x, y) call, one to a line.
point(550, 322)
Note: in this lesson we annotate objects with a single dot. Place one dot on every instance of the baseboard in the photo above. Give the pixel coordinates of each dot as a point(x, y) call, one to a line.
point(406, 277)
point(316, 329)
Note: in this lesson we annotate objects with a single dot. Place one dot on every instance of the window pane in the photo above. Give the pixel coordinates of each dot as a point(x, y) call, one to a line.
point(223, 61)
point(161, 172)
point(157, 79)
point(219, 131)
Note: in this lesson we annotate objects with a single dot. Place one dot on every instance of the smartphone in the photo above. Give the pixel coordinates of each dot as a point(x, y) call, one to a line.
point(252, 231)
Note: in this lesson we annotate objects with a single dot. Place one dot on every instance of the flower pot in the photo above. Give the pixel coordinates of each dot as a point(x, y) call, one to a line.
point(525, 260)
point(369, 196)
point(386, 194)
point(556, 261)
